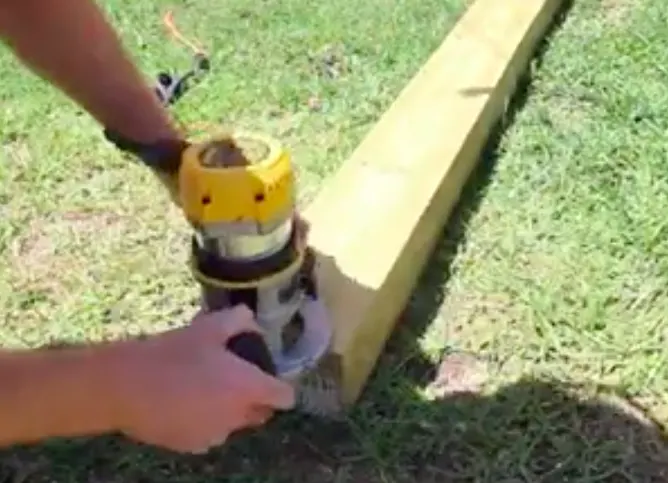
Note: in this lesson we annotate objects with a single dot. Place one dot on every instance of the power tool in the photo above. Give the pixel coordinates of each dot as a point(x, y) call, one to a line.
point(237, 191)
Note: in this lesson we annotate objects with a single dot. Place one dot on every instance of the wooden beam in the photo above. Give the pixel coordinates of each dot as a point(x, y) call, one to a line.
point(376, 221)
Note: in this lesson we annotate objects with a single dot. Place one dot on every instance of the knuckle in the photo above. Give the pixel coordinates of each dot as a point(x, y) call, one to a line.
point(242, 313)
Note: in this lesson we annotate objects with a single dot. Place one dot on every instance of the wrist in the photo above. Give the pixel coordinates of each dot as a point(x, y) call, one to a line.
point(60, 392)
point(162, 154)
point(154, 142)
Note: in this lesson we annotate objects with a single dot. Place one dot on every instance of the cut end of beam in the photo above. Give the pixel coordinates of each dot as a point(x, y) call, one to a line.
point(375, 223)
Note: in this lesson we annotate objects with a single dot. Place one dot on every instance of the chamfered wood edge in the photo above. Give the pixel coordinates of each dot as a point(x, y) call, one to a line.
point(371, 248)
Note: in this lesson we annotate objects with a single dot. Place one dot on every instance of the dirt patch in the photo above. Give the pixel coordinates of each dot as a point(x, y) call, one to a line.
point(467, 304)
point(51, 248)
point(475, 319)
point(330, 62)
point(458, 373)
point(615, 11)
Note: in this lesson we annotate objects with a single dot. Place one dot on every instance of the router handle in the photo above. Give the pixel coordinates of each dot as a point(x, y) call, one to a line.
point(251, 347)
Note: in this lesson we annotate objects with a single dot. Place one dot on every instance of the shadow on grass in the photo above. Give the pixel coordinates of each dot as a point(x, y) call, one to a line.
point(530, 430)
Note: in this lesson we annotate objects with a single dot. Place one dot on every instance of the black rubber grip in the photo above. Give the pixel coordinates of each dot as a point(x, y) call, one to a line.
point(250, 346)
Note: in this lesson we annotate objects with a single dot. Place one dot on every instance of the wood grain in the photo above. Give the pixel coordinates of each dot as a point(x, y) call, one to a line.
point(376, 221)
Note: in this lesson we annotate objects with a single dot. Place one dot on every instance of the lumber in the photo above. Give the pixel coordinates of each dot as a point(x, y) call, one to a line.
point(376, 221)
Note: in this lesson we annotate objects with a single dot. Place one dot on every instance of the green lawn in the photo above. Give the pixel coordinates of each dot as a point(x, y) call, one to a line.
point(111, 259)
point(553, 271)
point(316, 77)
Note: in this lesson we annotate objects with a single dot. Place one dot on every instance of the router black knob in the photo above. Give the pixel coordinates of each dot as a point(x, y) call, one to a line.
point(251, 347)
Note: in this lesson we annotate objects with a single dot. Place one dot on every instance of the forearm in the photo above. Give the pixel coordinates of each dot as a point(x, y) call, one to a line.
point(58, 393)
point(70, 43)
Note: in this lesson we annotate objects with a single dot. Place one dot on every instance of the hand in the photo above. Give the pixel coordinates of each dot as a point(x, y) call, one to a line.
point(185, 392)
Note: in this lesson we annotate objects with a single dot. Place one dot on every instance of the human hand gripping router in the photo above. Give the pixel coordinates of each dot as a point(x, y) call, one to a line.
point(182, 389)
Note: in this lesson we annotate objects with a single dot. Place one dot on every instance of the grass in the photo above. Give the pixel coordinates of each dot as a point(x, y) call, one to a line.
point(315, 77)
point(552, 272)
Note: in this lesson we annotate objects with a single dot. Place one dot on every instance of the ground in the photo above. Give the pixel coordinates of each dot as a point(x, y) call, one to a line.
point(533, 349)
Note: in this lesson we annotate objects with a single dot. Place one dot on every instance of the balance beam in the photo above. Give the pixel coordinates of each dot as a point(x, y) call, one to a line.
point(375, 223)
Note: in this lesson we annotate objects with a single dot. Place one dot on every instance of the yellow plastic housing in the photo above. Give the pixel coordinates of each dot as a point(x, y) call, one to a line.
point(258, 193)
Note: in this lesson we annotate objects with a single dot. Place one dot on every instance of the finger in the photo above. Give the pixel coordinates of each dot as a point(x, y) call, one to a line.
point(196, 447)
point(227, 323)
point(201, 450)
point(198, 451)
point(272, 392)
point(259, 416)
point(202, 444)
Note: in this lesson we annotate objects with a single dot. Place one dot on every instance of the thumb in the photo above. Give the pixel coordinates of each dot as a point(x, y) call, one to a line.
point(273, 392)
point(225, 324)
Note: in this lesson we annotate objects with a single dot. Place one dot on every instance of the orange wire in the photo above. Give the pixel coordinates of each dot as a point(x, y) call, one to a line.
point(201, 127)
point(168, 20)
